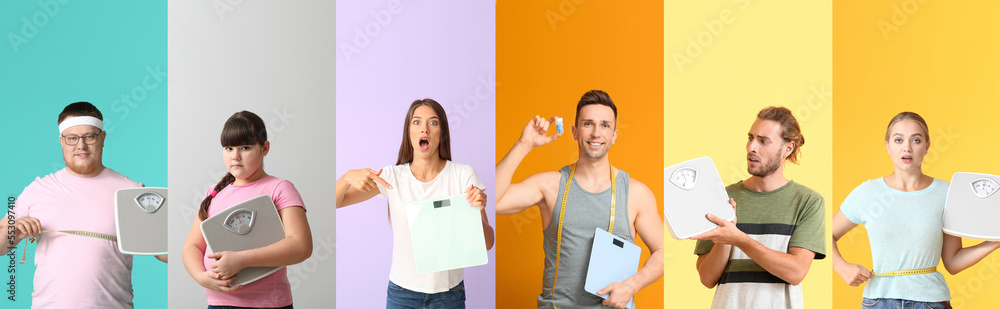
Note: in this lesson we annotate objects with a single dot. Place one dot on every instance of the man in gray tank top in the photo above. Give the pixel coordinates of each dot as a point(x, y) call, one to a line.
point(583, 193)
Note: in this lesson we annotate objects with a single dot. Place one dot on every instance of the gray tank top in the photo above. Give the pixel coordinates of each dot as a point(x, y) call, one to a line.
point(584, 212)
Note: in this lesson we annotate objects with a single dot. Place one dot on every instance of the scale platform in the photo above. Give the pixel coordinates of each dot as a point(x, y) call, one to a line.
point(692, 189)
point(251, 224)
point(612, 259)
point(446, 233)
point(972, 206)
point(141, 221)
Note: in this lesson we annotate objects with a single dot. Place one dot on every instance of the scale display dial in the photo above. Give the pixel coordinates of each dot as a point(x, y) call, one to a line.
point(149, 202)
point(240, 221)
point(685, 178)
point(984, 187)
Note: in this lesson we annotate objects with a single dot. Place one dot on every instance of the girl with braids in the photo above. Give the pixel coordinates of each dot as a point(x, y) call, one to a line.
point(244, 145)
point(423, 170)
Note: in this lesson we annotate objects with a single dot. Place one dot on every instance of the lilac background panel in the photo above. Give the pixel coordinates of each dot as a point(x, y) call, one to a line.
point(390, 53)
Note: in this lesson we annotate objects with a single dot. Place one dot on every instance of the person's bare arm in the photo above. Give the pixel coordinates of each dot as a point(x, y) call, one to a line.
point(293, 249)
point(712, 264)
point(649, 226)
point(528, 193)
point(24, 227)
point(853, 274)
point(791, 267)
point(191, 256)
point(514, 198)
point(956, 259)
point(358, 185)
point(477, 198)
point(488, 234)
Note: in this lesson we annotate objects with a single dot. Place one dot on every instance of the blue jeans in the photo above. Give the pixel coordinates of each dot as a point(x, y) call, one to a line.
point(235, 307)
point(399, 297)
point(886, 303)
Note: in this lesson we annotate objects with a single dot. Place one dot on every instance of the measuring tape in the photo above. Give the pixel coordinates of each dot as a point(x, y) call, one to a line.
point(562, 213)
point(112, 238)
point(902, 273)
point(908, 272)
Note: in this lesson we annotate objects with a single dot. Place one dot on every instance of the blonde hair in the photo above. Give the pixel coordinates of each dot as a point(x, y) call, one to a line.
point(908, 116)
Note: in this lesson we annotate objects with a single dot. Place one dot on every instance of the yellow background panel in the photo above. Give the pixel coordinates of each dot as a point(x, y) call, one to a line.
point(938, 59)
point(723, 62)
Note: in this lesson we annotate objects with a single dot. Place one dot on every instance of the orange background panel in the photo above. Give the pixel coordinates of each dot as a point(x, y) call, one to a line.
point(549, 53)
point(938, 59)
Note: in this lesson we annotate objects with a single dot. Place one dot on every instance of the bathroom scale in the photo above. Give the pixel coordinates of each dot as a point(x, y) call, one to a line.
point(141, 220)
point(446, 233)
point(612, 259)
point(692, 189)
point(250, 224)
point(972, 206)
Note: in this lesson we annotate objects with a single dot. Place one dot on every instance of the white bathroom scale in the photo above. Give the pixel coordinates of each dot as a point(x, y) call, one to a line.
point(251, 224)
point(141, 220)
point(446, 233)
point(612, 259)
point(692, 189)
point(972, 206)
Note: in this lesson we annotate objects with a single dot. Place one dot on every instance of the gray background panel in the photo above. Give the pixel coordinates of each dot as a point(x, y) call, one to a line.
point(275, 58)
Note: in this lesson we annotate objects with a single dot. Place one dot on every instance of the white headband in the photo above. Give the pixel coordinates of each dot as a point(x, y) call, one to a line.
point(80, 120)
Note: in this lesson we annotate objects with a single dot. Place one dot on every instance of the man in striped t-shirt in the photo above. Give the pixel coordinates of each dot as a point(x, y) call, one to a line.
point(760, 261)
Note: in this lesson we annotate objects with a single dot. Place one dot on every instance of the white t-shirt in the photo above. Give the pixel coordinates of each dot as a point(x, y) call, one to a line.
point(455, 178)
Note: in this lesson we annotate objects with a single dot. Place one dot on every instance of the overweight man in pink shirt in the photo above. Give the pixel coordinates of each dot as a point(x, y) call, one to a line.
point(75, 271)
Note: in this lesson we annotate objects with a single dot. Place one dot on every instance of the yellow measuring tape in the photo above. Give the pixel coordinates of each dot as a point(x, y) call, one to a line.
point(903, 273)
point(24, 255)
point(908, 272)
point(562, 213)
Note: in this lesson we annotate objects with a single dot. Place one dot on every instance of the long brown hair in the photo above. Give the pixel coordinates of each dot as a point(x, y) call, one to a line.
point(242, 128)
point(790, 130)
point(406, 148)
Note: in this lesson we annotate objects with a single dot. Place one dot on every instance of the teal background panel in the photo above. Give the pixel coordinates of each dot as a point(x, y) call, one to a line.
point(110, 53)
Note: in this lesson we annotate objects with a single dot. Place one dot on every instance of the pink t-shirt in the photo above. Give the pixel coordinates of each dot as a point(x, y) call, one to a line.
point(272, 290)
point(76, 271)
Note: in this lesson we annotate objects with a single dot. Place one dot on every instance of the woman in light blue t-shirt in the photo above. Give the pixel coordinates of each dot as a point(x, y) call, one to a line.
point(902, 213)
